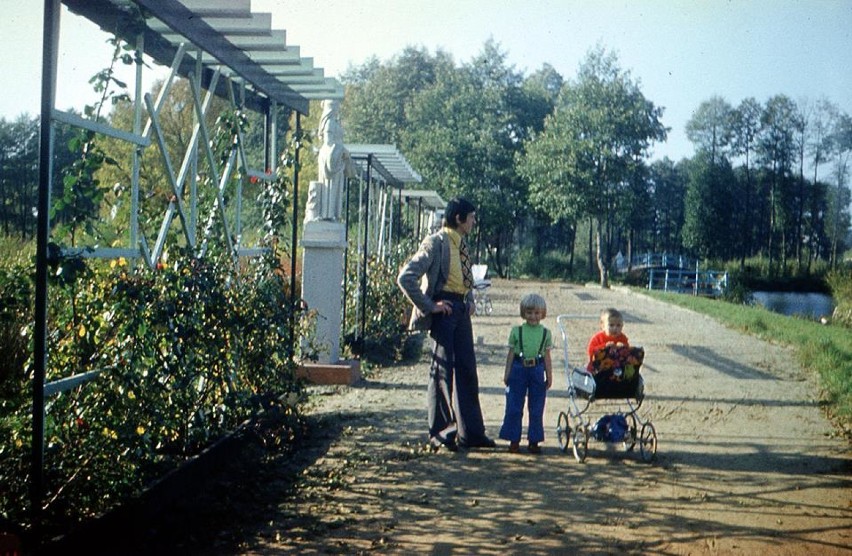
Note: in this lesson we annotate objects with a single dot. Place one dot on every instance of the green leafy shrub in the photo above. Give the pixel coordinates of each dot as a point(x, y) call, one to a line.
point(387, 310)
point(185, 354)
point(840, 282)
point(552, 265)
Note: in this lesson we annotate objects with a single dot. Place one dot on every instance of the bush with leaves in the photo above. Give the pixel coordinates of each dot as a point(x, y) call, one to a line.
point(182, 354)
point(185, 354)
point(386, 319)
point(840, 282)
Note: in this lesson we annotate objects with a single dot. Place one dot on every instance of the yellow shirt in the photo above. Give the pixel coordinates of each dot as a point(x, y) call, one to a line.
point(455, 283)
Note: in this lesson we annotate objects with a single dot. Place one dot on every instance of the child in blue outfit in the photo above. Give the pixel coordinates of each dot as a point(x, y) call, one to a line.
point(528, 374)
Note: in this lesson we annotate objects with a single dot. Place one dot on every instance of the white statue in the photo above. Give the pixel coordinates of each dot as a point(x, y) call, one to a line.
point(325, 196)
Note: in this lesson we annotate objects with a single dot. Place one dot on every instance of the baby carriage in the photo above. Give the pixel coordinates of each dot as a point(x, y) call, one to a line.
point(613, 378)
point(480, 289)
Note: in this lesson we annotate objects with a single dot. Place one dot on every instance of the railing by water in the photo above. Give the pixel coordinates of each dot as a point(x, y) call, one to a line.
point(653, 260)
point(711, 283)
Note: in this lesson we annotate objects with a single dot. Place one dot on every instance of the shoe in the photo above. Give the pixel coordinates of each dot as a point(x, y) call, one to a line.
point(485, 442)
point(514, 447)
point(534, 448)
point(436, 443)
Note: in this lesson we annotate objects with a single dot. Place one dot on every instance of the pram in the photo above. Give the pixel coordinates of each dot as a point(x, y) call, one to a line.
point(480, 289)
point(613, 377)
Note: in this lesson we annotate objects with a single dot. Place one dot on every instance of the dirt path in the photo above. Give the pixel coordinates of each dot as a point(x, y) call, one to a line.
point(746, 462)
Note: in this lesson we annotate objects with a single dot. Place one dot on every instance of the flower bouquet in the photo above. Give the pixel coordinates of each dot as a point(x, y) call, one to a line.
point(618, 361)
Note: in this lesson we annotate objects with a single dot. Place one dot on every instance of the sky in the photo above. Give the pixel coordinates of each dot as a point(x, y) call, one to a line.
point(680, 52)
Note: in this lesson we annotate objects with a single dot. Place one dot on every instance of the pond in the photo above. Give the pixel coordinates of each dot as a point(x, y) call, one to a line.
point(810, 305)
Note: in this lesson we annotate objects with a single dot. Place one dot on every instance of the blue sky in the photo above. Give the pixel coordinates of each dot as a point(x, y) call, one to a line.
point(681, 52)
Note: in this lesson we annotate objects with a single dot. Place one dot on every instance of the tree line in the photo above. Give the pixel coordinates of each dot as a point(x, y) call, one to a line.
point(544, 157)
point(559, 164)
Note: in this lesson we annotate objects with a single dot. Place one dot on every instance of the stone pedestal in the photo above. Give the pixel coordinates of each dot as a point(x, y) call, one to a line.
point(323, 244)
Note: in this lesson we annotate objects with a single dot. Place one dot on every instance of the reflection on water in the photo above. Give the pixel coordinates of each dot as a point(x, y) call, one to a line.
point(812, 305)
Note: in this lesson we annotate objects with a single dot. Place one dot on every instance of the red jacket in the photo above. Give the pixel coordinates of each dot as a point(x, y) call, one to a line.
point(601, 339)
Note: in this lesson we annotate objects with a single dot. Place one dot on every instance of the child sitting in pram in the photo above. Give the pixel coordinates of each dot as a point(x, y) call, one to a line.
point(611, 359)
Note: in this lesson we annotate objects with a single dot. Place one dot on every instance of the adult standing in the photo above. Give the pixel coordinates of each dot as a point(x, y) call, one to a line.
point(444, 308)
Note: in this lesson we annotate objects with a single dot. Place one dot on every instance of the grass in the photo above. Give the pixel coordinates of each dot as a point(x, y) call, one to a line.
point(825, 351)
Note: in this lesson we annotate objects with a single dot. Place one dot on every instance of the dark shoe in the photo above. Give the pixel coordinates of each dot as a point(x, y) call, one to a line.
point(514, 447)
point(534, 448)
point(450, 444)
point(485, 442)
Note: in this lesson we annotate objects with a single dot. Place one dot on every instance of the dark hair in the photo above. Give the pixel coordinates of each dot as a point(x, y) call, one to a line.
point(457, 207)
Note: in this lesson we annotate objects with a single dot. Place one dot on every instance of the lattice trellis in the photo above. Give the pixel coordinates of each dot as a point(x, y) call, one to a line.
point(218, 46)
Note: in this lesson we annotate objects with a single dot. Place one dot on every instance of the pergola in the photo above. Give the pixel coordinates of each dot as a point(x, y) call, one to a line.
point(220, 47)
point(428, 204)
point(383, 168)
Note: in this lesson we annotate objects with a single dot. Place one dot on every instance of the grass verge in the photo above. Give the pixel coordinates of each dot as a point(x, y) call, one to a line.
point(825, 350)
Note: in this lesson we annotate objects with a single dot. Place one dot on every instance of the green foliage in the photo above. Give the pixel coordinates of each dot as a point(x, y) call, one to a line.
point(185, 353)
point(551, 265)
point(387, 310)
point(459, 126)
point(180, 355)
point(840, 282)
point(586, 162)
point(19, 144)
point(15, 317)
point(706, 230)
point(78, 205)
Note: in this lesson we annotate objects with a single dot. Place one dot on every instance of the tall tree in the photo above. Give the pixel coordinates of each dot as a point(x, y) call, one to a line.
point(707, 231)
point(823, 122)
point(668, 189)
point(838, 217)
point(601, 129)
point(378, 94)
point(18, 175)
point(710, 127)
point(462, 135)
point(776, 148)
point(745, 130)
point(538, 97)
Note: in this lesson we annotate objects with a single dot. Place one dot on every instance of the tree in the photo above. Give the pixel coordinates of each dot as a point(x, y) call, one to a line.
point(462, 134)
point(838, 217)
point(588, 153)
point(706, 230)
point(823, 122)
point(377, 94)
point(668, 191)
point(745, 128)
point(710, 127)
point(776, 150)
point(18, 175)
point(539, 93)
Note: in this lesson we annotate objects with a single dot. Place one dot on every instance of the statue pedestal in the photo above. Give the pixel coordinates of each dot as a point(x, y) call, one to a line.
point(344, 372)
point(323, 244)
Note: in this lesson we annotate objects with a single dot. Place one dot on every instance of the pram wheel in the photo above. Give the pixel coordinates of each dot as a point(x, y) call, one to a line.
point(632, 432)
point(483, 304)
point(580, 443)
point(648, 442)
point(563, 431)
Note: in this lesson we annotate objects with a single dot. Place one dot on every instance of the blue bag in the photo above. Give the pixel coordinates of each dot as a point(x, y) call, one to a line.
point(610, 428)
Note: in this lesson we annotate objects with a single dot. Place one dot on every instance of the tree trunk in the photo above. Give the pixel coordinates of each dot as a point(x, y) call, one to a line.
point(591, 251)
point(602, 267)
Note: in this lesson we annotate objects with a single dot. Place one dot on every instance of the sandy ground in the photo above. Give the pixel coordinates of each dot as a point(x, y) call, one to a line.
point(746, 462)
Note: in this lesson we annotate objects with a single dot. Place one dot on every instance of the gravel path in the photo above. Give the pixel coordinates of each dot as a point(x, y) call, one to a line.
point(746, 464)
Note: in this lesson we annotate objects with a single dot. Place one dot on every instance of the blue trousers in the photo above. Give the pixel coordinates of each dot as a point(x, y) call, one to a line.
point(453, 393)
point(525, 382)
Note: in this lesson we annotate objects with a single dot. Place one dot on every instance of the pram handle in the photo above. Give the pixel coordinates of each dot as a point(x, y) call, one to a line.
point(562, 322)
